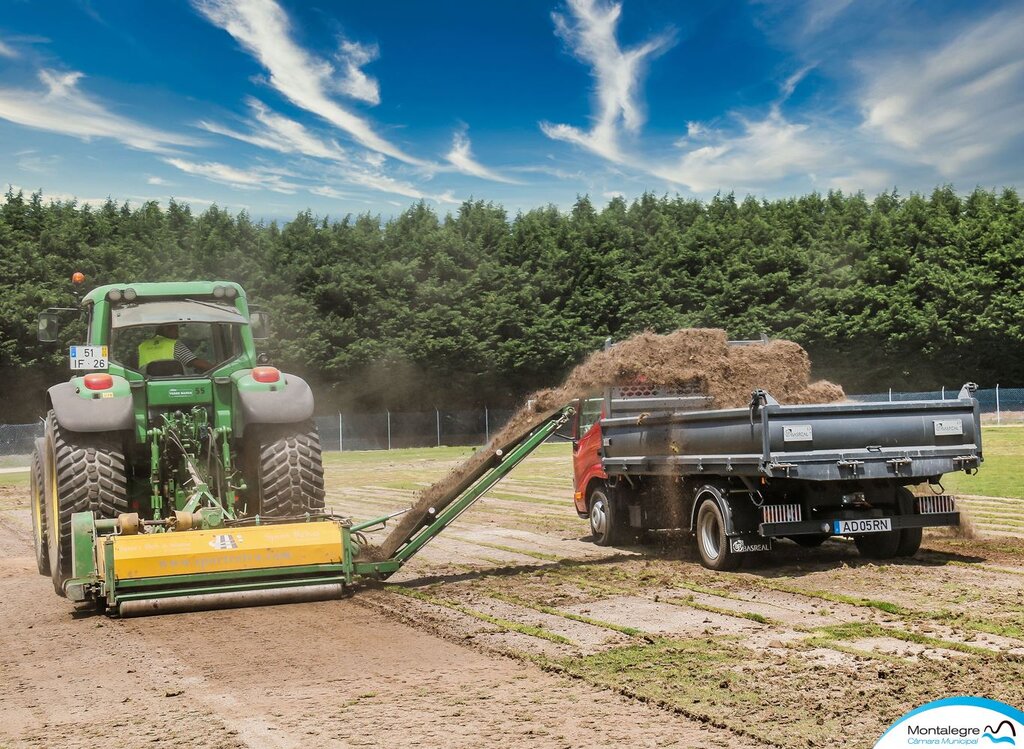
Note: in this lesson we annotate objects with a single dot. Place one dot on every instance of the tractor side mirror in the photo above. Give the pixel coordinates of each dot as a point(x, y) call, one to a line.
point(48, 326)
point(260, 324)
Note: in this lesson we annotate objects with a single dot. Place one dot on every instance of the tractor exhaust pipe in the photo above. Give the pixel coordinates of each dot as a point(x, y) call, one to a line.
point(231, 600)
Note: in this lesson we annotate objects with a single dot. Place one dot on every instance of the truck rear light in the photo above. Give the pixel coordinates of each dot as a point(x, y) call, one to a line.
point(780, 514)
point(266, 374)
point(936, 504)
point(98, 381)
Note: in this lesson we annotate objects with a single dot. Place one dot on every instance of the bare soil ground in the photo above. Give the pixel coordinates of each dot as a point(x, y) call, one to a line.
point(512, 628)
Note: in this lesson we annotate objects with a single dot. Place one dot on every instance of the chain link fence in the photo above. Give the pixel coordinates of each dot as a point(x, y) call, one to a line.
point(393, 430)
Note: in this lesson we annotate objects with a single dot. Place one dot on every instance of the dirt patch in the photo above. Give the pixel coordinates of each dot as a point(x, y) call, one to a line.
point(698, 358)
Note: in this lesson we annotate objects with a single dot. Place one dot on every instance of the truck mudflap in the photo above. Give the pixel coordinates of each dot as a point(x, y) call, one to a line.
point(858, 526)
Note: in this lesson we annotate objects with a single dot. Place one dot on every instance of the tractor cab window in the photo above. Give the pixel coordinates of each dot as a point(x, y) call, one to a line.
point(590, 412)
point(175, 349)
point(175, 337)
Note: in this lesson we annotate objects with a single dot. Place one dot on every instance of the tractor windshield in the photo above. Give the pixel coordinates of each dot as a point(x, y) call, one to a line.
point(175, 338)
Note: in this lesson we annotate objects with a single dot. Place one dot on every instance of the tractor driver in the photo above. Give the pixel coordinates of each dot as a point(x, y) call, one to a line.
point(164, 346)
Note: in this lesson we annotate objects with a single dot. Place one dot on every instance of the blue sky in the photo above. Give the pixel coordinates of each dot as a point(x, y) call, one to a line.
point(275, 106)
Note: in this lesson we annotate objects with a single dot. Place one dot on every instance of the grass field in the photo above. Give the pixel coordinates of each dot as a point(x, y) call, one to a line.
point(1002, 474)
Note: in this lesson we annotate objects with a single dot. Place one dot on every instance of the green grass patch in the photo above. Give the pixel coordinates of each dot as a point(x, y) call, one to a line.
point(510, 549)
point(690, 602)
point(853, 631)
point(1000, 474)
point(15, 479)
point(517, 601)
point(524, 629)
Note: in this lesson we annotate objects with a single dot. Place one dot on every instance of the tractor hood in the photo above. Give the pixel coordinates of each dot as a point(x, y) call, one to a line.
point(178, 311)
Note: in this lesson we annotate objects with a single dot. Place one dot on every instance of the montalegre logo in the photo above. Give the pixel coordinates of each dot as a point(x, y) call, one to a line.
point(957, 721)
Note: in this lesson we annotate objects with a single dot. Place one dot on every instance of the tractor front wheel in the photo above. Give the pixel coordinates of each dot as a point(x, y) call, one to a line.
point(290, 477)
point(36, 484)
point(82, 472)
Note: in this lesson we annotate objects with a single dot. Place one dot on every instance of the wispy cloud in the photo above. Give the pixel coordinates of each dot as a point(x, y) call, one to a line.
point(245, 179)
point(461, 157)
point(955, 106)
point(763, 152)
point(62, 107)
point(33, 161)
point(7, 51)
point(357, 84)
point(276, 132)
point(590, 32)
point(262, 28)
point(159, 181)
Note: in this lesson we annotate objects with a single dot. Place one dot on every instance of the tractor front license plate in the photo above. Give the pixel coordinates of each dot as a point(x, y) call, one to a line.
point(851, 527)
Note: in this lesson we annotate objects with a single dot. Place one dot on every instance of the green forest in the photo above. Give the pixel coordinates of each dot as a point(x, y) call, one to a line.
point(478, 306)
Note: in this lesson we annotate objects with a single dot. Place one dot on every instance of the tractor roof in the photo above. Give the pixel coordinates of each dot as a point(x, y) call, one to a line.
point(164, 289)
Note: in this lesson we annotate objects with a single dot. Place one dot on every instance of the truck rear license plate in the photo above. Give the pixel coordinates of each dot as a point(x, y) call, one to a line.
point(871, 525)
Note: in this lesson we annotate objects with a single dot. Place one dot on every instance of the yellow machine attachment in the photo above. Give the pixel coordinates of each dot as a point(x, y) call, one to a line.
point(236, 565)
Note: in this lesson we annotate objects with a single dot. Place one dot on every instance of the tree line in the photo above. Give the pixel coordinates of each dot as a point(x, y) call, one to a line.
point(478, 306)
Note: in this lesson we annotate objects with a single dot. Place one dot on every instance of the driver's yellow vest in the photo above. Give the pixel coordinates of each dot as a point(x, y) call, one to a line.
point(157, 348)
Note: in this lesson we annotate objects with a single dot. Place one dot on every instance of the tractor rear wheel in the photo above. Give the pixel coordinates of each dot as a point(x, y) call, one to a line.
point(290, 477)
point(83, 472)
point(39, 540)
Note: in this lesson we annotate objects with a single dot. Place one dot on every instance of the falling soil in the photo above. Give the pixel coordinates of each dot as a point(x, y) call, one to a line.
point(698, 359)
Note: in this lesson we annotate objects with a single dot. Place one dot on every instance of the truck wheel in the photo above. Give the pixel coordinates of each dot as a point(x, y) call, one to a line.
point(606, 526)
point(712, 543)
point(82, 472)
point(883, 545)
point(291, 472)
point(910, 542)
point(38, 509)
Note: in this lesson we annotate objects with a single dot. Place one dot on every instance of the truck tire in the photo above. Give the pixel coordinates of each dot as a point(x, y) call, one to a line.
point(39, 540)
point(883, 545)
point(607, 526)
point(83, 472)
point(910, 542)
point(712, 542)
point(290, 472)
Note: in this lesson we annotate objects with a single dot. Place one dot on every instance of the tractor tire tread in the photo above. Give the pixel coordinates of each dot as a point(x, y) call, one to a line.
point(90, 477)
point(291, 471)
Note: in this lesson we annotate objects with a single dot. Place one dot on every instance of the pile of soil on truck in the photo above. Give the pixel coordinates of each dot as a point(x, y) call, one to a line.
point(695, 358)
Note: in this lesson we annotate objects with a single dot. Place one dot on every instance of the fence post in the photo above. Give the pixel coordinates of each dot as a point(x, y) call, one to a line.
point(487, 426)
point(999, 414)
point(890, 395)
point(943, 392)
point(438, 415)
point(341, 432)
point(389, 429)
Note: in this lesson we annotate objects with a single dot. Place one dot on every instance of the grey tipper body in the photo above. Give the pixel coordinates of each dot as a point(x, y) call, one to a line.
point(805, 472)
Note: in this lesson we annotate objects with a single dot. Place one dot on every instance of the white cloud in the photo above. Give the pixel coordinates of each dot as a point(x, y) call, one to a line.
point(866, 180)
point(461, 157)
point(245, 179)
point(156, 181)
point(31, 161)
point(384, 183)
point(7, 51)
point(63, 108)
point(356, 83)
point(262, 28)
point(276, 132)
point(957, 106)
point(765, 151)
point(591, 35)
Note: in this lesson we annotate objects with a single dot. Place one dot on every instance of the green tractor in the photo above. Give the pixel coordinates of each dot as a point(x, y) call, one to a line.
point(170, 421)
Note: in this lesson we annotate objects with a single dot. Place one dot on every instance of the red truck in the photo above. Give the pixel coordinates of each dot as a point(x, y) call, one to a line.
point(647, 458)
